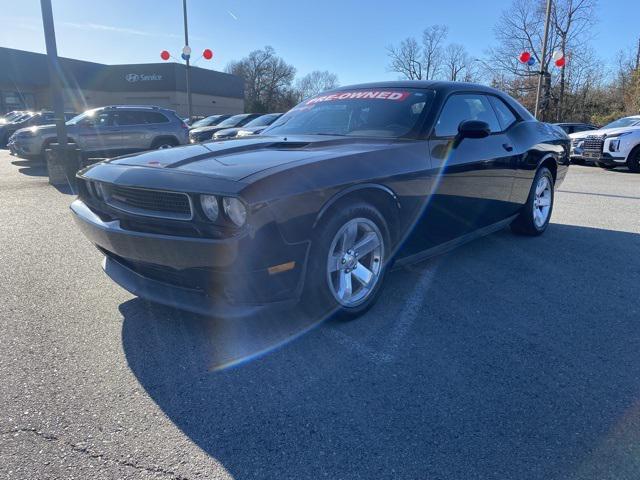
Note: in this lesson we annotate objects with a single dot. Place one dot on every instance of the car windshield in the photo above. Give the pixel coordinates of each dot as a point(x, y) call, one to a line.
point(82, 116)
point(386, 113)
point(624, 122)
point(205, 122)
point(264, 120)
point(233, 121)
point(21, 118)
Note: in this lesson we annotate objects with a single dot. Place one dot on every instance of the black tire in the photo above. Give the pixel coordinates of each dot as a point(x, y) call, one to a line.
point(633, 162)
point(164, 142)
point(525, 224)
point(318, 295)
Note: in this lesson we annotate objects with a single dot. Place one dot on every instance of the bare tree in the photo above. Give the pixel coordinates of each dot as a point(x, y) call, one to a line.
point(406, 59)
point(571, 21)
point(314, 83)
point(268, 80)
point(432, 40)
point(520, 28)
point(456, 61)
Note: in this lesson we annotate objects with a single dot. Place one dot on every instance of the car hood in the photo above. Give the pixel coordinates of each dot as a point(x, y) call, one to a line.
point(609, 132)
point(227, 132)
point(44, 129)
point(236, 159)
point(253, 129)
point(211, 129)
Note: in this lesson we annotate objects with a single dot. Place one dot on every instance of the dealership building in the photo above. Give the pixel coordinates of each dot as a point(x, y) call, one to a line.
point(24, 85)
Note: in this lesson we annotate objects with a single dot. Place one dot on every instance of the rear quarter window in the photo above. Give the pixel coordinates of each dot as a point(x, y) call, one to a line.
point(155, 117)
point(505, 116)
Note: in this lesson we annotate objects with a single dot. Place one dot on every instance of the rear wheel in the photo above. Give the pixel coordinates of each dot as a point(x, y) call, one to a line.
point(536, 213)
point(633, 162)
point(347, 262)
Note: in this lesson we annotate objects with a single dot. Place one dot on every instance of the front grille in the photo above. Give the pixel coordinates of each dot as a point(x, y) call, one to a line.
point(593, 144)
point(154, 203)
point(198, 279)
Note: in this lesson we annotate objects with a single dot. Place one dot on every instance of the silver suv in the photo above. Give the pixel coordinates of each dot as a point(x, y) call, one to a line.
point(108, 131)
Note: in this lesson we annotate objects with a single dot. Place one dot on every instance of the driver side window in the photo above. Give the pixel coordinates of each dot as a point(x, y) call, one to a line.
point(99, 120)
point(461, 107)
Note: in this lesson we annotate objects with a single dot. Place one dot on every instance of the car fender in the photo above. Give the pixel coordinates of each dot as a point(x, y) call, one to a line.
point(353, 189)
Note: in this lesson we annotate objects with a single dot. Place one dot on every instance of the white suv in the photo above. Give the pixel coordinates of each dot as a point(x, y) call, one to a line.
point(614, 145)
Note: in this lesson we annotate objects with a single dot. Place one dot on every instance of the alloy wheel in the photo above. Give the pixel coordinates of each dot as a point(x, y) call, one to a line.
point(354, 264)
point(542, 202)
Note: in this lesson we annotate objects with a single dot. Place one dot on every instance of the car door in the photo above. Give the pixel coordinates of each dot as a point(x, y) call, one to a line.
point(475, 176)
point(97, 133)
point(133, 130)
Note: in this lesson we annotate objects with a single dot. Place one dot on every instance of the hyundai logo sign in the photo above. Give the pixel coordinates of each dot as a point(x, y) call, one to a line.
point(139, 77)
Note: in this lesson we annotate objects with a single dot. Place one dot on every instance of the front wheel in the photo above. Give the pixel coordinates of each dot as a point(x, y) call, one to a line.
point(347, 262)
point(633, 163)
point(536, 213)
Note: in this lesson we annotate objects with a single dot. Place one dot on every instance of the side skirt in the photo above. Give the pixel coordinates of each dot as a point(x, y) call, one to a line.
point(452, 244)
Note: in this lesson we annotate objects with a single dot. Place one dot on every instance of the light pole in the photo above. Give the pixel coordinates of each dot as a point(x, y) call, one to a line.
point(57, 99)
point(187, 54)
point(545, 40)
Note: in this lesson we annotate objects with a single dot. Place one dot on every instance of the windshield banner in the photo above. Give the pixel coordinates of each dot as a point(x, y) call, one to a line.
point(361, 95)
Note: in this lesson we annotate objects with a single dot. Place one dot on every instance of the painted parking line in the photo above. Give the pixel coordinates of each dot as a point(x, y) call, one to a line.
point(401, 327)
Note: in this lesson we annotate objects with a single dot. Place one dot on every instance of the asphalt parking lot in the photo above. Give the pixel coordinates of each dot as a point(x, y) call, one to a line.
point(509, 358)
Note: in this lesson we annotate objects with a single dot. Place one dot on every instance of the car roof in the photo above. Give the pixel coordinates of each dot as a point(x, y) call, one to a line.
point(438, 85)
point(442, 87)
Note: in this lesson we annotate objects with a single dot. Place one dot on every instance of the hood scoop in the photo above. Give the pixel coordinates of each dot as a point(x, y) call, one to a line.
point(287, 145)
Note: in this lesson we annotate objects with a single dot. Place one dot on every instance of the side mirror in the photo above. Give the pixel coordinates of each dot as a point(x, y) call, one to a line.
point(473, 129)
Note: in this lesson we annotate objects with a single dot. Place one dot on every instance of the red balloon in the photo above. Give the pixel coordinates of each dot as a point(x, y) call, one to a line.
point(207, 54)
point(164, 55)
point(524, 57)
point(561, 62)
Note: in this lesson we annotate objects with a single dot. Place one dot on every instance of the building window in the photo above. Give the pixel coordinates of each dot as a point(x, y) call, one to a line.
point(17, 101)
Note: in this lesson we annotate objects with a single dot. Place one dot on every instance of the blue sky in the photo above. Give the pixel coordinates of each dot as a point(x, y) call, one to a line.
point(346, 37)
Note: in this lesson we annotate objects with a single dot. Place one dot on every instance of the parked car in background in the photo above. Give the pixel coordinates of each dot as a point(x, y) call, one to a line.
point(109, 131)
point(28, 120)
point(616, 144)
point(11, 116)
point(576, 127)
point(192, 120)
point(210, 121)
point(319, 206)
point(254, 127)
point(201, 134)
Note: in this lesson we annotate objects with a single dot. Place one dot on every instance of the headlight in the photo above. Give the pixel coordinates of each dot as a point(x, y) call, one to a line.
point(244, 133)
point(210, 206)
point(614, 145)
point(235, 210)
point(614, 142)
point(101, 191)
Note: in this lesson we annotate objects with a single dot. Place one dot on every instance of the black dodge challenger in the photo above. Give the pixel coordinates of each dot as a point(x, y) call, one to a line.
point(325, 201)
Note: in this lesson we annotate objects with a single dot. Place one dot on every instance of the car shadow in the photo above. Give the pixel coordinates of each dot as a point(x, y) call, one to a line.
point(510, 357)
point(31, 168)
point(38, 168)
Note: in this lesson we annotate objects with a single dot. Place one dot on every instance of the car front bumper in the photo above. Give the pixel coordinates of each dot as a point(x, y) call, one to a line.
point(24, 146)
point(604, 158)
point(201, 275)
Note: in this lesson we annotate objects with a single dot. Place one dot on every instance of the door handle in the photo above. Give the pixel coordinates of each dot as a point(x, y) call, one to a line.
point(508, 147)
